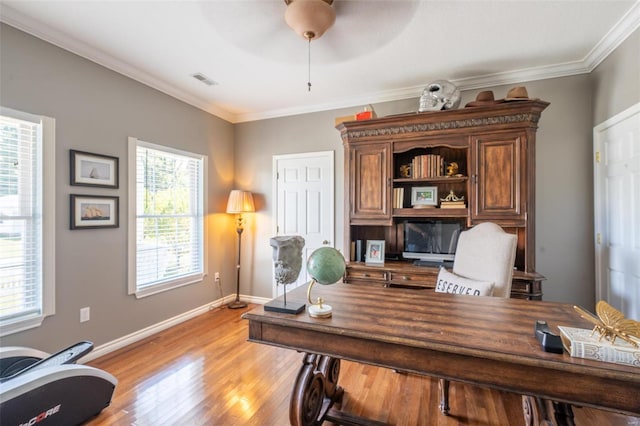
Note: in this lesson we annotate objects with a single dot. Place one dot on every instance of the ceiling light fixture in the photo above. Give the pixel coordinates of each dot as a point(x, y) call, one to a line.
point(309, 19)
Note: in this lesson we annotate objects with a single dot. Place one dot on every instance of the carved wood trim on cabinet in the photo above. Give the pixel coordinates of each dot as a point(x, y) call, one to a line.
point(495, 149)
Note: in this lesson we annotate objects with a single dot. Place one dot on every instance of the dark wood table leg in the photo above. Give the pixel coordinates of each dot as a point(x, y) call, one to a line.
point(535, 411)
point(563, 414)
point(316, 393)
point(538, 411)
point(315, 390)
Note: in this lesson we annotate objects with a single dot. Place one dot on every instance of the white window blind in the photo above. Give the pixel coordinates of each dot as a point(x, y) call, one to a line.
point(169, 218)
point(26, 214)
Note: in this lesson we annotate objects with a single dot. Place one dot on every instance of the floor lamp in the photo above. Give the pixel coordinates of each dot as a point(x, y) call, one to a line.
point(239, 202)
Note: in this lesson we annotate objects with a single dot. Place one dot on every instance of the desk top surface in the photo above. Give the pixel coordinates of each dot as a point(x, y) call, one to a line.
point(488, 327)
point(486, 341)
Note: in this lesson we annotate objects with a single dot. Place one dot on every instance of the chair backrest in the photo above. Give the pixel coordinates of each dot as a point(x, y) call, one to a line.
point(487, 253)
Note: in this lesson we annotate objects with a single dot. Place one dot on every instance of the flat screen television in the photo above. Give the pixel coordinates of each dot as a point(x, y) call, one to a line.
point(431, 241)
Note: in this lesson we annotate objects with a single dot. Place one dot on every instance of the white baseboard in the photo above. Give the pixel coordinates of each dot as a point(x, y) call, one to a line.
point(254, 299)
point(134, 337)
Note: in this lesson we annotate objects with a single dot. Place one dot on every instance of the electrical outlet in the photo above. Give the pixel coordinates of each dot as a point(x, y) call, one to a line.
point(216, 276)
point(85, 314)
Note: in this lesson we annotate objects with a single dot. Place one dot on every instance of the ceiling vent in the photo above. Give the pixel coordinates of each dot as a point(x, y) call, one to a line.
point(204, 79)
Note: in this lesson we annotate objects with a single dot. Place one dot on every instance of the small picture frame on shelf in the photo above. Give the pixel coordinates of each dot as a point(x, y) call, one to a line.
point(375, 252)
point(95, 170)
point(424, 196)
point(93, 211)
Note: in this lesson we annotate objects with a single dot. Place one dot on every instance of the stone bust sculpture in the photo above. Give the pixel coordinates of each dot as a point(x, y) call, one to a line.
point(287, 257)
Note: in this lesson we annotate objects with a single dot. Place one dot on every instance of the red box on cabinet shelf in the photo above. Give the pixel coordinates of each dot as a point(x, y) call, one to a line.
point(364, 115)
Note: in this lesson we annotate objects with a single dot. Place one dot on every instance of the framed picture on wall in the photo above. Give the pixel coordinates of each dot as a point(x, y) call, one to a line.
point(89, 169)
point(375, 252)
point(424, 196)
point(93, 211)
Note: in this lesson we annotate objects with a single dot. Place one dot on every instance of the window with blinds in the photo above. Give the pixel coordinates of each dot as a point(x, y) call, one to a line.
point(26, 220)
point(168, 227)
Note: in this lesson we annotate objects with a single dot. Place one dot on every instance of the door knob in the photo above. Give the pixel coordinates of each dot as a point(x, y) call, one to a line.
point(325, 242)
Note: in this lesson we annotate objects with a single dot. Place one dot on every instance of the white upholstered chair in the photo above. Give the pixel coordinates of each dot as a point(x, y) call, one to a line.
point(484, 253)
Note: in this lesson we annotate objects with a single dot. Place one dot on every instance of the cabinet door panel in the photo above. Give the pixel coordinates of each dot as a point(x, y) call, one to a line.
point(497, 177)
point(370, 183)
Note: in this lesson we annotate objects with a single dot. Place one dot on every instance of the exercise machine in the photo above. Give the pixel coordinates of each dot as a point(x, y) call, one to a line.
point(41, 389)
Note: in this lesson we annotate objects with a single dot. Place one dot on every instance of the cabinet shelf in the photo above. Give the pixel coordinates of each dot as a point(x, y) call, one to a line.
point(439, 179)
point(432, 212)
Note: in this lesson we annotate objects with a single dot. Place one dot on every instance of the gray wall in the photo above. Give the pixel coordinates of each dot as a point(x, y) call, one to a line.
point(564, 179)
point(616, 81)
point(96, 110)
point(564, 200)
point(256, 143)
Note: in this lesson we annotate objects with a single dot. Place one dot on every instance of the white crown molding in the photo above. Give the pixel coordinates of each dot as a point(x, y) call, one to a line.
point(618, 33)
point(479, 82)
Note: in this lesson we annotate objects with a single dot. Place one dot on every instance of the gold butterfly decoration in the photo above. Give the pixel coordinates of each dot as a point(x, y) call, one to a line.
point(611, 323)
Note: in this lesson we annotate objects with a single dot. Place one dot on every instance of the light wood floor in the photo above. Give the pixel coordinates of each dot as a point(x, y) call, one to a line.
point(204, 372)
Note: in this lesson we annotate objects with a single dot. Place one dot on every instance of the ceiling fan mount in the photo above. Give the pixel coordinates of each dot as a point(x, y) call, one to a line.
point(310, 18)
point(330, 2)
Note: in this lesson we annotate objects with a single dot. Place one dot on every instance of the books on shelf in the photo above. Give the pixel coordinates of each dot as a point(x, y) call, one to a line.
point(356, 254)
point(344, 118)
point(427, 166)
point(398, 198)
point(583, 343)
point(453, 205)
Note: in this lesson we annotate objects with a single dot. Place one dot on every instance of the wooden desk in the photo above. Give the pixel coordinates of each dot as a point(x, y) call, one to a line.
point(480, 340)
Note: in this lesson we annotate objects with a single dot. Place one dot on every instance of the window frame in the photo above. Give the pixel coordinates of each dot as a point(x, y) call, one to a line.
point(132, 285)
point(47, 196)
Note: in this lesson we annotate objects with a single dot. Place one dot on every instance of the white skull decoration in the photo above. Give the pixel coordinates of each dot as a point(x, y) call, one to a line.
point(441, 94)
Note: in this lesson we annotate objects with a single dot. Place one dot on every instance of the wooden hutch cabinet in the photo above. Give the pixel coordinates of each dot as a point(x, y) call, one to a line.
point(385, 158)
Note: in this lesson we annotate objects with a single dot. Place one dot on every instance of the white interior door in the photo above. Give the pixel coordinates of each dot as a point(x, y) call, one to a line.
point(617, 211)
point(304, 203)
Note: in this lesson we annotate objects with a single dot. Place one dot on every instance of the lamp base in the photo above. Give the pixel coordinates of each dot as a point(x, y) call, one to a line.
point(237, 304)
point(289, 308)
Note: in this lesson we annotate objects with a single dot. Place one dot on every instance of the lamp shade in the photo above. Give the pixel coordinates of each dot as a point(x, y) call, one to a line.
point(309, 18)
point(240, 202)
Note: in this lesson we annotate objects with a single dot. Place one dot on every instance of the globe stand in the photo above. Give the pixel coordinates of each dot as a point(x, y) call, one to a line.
point(320, 309)
point(277, 305)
